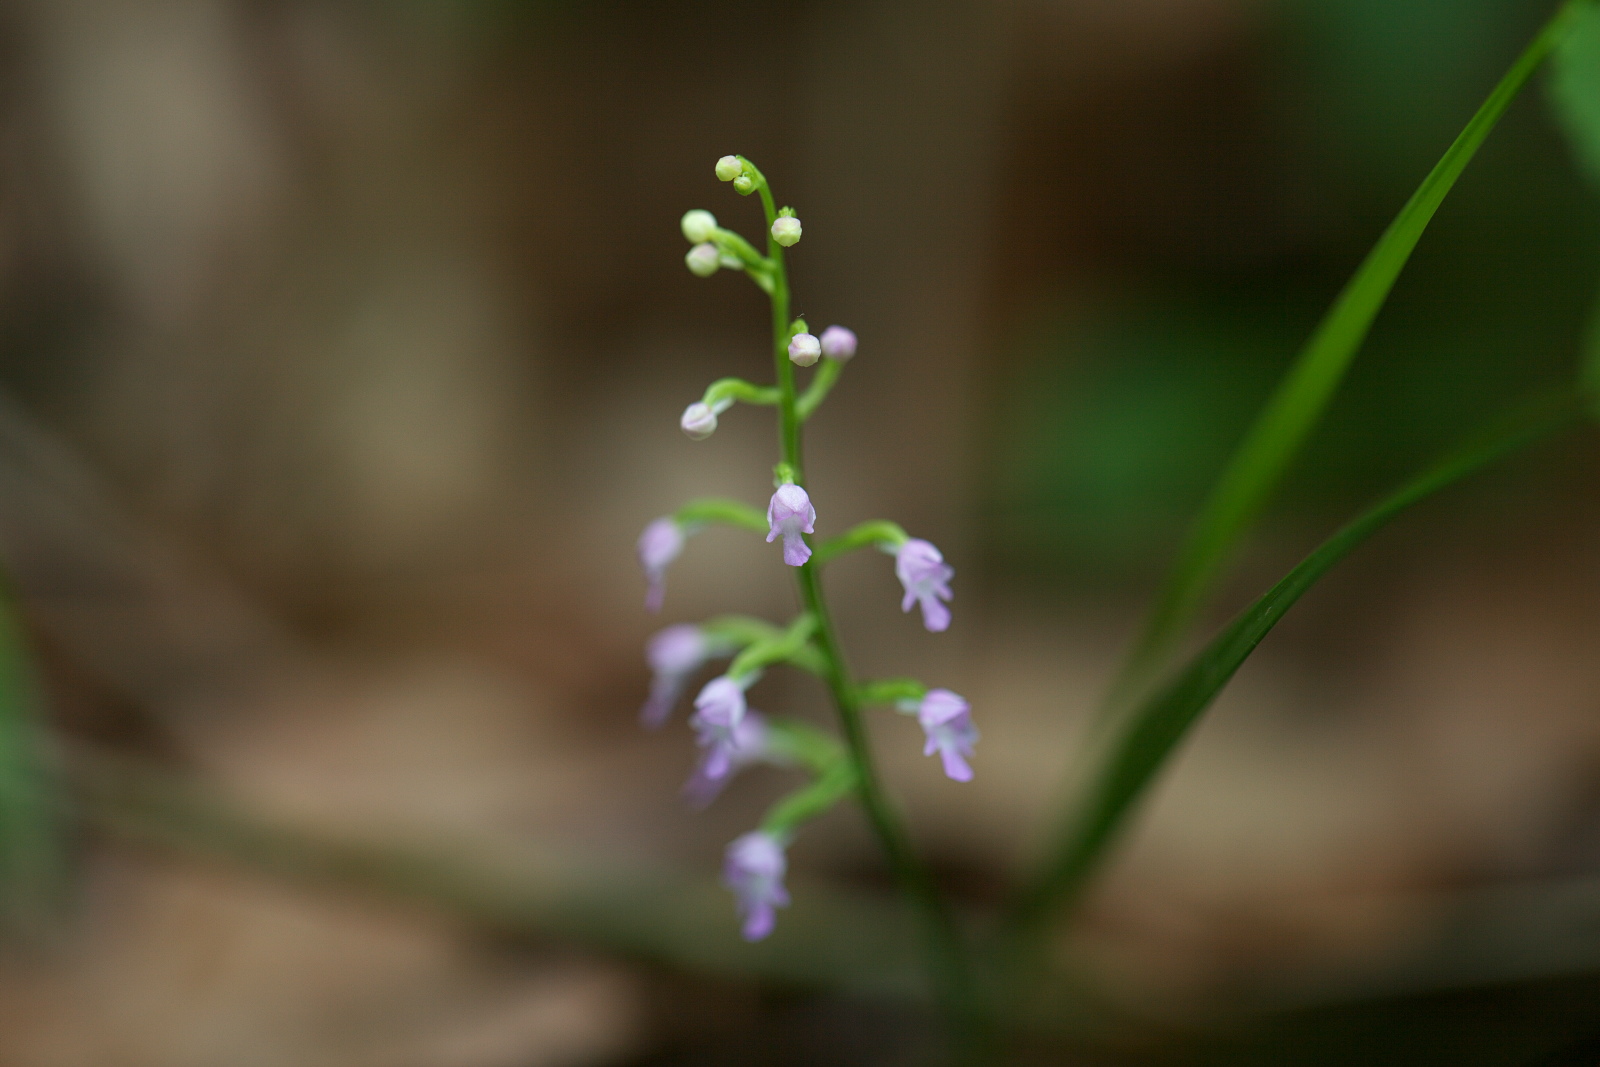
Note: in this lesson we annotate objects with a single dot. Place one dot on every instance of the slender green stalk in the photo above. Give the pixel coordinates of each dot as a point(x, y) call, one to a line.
point(874, 532)
point(954, 985)
point(1146, 741)
point(1289, 416)
point(716, 509)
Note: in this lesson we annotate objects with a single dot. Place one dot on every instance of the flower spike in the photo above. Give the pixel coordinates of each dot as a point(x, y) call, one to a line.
point(947, 720)
point(754, 870)
point(790, 514)
point(660, 544)
point(926, 577)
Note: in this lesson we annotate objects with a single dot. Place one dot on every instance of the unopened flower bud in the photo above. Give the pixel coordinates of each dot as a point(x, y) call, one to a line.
point(729, 168)
point(786, 231)
point(804, 349)
point(704, 259)
point(699, 225)
point(744, 185)
point(838, 343)
point(789, 515)
point(699, 421)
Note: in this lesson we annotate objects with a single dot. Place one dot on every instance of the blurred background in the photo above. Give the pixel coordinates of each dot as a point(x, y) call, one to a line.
point(342, 344)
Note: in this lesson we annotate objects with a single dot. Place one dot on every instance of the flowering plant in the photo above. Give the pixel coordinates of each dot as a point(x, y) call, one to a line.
point(730, 734)
point(1153, 701)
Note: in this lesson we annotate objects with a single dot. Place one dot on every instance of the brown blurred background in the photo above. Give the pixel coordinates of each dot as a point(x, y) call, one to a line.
point(342, 347)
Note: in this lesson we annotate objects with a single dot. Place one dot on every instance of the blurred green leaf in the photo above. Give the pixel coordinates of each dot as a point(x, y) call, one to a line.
point(1575, 90)
point(1153, 731)
point(31, 855)
point(1289, 416)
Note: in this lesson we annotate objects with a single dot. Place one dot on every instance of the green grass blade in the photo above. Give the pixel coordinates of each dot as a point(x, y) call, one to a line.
point(1290, 414)
point(1150, 735)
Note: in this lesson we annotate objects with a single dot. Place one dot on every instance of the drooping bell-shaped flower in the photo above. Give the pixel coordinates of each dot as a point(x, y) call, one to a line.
point(719, 709)
point(804, 350)
point(746, 747)
point(838, 343)
point(674, 654)
point(659, 545)
point(926, 577)
point(789, 515)
point(754, 870)
point(947, 720)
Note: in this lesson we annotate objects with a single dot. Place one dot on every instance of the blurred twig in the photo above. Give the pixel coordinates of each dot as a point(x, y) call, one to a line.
point(855, 943)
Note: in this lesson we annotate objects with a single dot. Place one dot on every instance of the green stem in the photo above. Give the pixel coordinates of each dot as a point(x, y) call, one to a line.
point(954, 984)
point(781, 649)
point(716, 509)
point(739, 389)
point(821, 385)
point(876, 532)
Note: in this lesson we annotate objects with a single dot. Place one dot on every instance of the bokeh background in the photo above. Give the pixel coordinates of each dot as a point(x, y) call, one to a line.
point(342, 344)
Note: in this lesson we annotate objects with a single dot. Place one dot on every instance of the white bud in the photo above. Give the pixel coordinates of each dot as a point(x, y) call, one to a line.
point(704, 259)
point(804, 349)
point(786, 231)
point(698, 421)
point(729, 168)
point(699, 225)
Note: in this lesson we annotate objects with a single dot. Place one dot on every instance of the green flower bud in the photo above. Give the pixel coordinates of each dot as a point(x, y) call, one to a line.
point(698, 226)
point(786, 231)
point(704, 259)
point(729, 168)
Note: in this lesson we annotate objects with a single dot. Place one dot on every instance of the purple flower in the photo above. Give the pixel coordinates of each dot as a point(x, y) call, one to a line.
point(926, 576)
point(674, 654)
point(719, 709)
point(804, 350)
point(754, 870)
point(790, 514)
point(659, 545)
point(747, 746)
point(838, 343)
point(947, 720)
